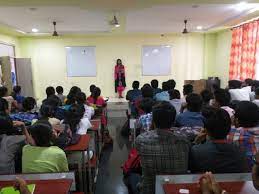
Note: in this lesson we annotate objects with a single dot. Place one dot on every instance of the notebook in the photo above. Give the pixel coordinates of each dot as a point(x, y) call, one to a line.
point(11, 190)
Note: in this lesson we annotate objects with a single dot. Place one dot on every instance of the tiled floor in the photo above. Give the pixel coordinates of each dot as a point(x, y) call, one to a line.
point(109, 180)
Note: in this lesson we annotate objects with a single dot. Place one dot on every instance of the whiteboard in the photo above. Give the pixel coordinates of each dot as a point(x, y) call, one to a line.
point(81, 61)
point(156, 60)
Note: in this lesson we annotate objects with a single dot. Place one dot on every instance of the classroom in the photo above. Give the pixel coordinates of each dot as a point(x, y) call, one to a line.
point(129, 97)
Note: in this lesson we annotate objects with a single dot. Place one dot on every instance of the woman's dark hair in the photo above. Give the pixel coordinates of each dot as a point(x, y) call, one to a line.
point(3, 91)
point(16, 91)
point(247, 114)
point(249, 82)
point(206, 96)
point(92, 87)
point(59, 89)
point(165, 86)
point(71, 97)
point(41, 134)
point(146, 105)
point(118, 60)
point(74, 115)
point(194, 102)
point(135, 85)
point(163, 115)
point(47, 110)
point(50, 91)
point(171, 84)
point(81, 98)
point(96, 94)
point(174, 94)
point(3, 106)
point(6, 123)
point(147, 91)
point(234, 84)
point(217, 122)
point(154, 83)
point(222, 97)
point(187, 89)
point(28, 103)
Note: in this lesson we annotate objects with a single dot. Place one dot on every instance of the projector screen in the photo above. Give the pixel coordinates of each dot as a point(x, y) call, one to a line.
point(156, 60)
point(81, 61)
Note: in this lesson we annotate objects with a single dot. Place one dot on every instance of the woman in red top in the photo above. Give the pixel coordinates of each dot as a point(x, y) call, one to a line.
point(119, 77)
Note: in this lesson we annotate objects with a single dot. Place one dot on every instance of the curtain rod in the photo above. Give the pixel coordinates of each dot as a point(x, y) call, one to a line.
point(246, 22)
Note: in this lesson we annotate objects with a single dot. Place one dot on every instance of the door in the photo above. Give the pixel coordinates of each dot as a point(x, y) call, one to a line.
point(24, 76)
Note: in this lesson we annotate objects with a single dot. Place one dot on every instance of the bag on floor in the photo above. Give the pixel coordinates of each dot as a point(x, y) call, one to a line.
point(132, 164)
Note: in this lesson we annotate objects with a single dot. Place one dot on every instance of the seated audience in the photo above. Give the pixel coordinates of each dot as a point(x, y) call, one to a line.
point(175, 100)
point(206, 96)
point(238, 93)
point(50, 92)
point(246, 133)
point(16, 94)
point(133, 94)
point(222, 100)
point(154, 84)
point(71, 97)
point(164, 95)
point(27, 116)
point(171, 84)
point(47, 113)
point(160, 150)
point(40, 156)
point(96, 100)
point(81, 99)
point(187, 89)
point(12, 104)
point(62, 97)
point(145, 121)
point(256, 100)
point(192, 117)
point(216, 154)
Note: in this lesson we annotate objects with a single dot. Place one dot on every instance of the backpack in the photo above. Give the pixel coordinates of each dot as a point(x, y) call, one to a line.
point(132, 164)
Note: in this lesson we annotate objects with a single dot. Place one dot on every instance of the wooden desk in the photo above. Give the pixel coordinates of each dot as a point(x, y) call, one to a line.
point(194, 179)
point(82, 146)
point(240, 187)
point(61, 186)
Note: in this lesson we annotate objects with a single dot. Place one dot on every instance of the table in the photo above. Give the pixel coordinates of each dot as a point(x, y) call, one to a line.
point(61, 186)
point(82, 146)
point(192, 179)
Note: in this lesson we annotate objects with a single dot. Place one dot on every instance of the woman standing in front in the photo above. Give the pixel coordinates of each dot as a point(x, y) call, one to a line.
point(119, 77)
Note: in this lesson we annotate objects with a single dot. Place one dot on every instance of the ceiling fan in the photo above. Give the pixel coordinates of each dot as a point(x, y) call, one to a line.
point(115, 22)
point(185, 31)
point(55, 33)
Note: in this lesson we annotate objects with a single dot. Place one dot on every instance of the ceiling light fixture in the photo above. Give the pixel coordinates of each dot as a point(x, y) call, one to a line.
point(199, 27)
point(34, 30)
point(243, 5)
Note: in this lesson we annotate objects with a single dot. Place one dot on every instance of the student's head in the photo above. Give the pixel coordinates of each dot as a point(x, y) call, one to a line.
point(3, 91)
point(81, 98)
point(246, 114)
point(154, 83)
point(171, 84)
point(194, 102)
point(97, 92)
point(217, 123)
point(3, 107)
point(206, 96)
point(248, 82)
point(119, 62)
point(17, 89)
point(174, 94)
point(135, 85)
point(165, 86)
point(28, 103)
point(187, 89)
point(59, 89)
point(74, 90)
point(74, 115)
point(257, 93)
point(222, 97)
point(163, 115)
point(92, 87)
point(41, 134)
point(147, 104)
point(71, 97)
point(147, 91)
point(234, 84)
point(50, 91)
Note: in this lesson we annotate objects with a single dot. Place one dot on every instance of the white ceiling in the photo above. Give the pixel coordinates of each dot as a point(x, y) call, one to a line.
point(157, 18)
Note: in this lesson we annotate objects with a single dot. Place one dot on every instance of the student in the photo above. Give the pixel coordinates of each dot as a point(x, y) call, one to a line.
point(71, 97)
point(216, 154)
point(27, 116)
point(246, 133)
point(145, 121)
point(206, 96)
point(175, 100)
point(192, 117)
point(256, 100)
point(47, 112)
point(171, 84)
point(187, 89)
point(81, 99)
point(12, 104)
point(132, 95)
point(164, 95)
point(16, 94)
point(154, 85)
point(50, 91)
point(160, 150)
point(91, 88)
point(96, 99)
point(60, 90)
point(41, 157)
point(234, 84)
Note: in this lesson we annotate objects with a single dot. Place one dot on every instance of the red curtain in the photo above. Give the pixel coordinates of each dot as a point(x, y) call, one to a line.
point(245, 44)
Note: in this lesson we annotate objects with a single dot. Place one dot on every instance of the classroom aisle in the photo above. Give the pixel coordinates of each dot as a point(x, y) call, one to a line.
point(110, 174)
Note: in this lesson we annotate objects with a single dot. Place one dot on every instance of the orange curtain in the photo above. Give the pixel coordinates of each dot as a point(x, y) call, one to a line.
point(245, 44)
